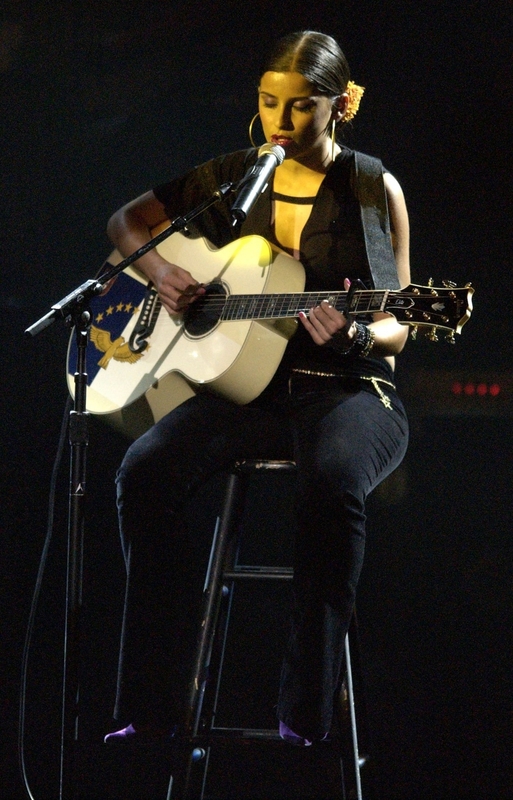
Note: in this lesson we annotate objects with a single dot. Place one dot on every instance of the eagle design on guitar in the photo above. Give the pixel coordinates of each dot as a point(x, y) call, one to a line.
point(143, 362)
point(117, 349)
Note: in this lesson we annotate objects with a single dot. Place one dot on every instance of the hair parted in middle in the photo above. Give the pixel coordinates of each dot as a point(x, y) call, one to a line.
point(316, 56)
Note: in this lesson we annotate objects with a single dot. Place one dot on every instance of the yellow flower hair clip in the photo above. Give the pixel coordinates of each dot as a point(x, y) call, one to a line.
point(354, 93)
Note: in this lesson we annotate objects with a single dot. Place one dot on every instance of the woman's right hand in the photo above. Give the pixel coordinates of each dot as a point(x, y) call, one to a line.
point(130, 228)
point(176, 287)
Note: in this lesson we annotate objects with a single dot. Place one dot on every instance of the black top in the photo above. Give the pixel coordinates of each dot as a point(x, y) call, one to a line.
point(332, 242)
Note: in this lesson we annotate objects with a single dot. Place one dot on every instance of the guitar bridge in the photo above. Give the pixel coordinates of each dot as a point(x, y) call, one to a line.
point(145, 325)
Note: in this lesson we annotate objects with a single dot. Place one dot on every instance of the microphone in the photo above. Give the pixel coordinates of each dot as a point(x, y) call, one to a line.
point(256, 179)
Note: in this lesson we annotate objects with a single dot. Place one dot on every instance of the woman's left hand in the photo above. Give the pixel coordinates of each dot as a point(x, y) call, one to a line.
point(324, 321)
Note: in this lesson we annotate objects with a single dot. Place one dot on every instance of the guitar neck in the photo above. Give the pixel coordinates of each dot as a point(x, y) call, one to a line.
point(280, 306)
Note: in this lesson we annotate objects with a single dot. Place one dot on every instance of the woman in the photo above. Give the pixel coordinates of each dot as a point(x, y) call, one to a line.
point(332, 403)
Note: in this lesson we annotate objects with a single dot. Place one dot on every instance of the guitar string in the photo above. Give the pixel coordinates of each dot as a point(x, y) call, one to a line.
point(277, 304)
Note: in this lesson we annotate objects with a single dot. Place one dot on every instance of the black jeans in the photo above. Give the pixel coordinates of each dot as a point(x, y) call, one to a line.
point(345, 441)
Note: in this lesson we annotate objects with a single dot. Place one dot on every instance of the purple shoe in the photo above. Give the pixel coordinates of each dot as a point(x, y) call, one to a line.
point(142, 735)
point(293, 738)
point(124, 735)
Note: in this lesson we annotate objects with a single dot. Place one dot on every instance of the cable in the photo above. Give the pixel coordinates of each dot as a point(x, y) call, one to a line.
point(35, 599)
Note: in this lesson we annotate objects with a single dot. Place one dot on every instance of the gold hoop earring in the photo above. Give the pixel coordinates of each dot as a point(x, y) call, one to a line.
point(333, 139)
point(250, 130)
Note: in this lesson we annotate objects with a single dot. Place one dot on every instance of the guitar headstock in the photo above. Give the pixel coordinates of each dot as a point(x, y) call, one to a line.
point(445, 307)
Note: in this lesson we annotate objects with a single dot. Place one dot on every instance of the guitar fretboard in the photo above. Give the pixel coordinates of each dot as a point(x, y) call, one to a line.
point(272, 306)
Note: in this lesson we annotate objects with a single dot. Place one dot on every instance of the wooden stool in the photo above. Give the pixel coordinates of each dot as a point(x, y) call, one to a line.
point(188, 781)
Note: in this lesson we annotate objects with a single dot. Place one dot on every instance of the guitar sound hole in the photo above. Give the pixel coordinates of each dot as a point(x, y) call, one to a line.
point(204, 314)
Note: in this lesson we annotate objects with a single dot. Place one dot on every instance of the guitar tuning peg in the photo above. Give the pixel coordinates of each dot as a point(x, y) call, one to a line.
point(432, 335)
point(430, 282)
point(450, 338)
point(414, 332)
point(449, 284)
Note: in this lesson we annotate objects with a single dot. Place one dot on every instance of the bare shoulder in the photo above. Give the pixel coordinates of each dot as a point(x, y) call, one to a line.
point(399, 226)
point(395, 194)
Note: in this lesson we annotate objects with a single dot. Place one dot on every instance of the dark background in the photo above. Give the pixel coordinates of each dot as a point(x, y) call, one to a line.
point(100, 102)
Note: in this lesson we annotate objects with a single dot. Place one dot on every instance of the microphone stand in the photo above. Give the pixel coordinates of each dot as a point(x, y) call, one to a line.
point(74, 309)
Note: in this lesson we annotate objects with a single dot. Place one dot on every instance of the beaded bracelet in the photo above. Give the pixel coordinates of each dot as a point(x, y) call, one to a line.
point(360, 345)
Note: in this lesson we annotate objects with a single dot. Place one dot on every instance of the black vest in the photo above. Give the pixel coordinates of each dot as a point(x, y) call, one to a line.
point(347, 234)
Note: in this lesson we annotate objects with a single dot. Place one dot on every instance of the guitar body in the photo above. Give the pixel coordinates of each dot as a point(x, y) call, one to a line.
point(134, 387)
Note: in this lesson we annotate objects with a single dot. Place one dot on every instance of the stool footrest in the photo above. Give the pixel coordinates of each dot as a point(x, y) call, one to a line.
point(252, 465)
point(246, 733)
point(241, 571)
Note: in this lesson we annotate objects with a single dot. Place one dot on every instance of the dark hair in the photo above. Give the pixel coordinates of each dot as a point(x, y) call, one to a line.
point(314, 55)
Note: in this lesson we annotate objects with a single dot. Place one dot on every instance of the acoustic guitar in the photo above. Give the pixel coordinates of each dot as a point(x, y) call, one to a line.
point(142, 362)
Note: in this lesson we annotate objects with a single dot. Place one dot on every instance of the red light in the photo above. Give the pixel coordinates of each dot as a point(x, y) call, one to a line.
point(471, 389)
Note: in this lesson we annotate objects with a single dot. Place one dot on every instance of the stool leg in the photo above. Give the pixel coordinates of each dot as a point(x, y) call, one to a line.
point(352, 715)
point(179, 786)
point(353, 723)
point(180, 782)
point(211, 599)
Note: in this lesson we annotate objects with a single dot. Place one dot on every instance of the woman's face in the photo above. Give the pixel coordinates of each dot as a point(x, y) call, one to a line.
point(294, 115)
